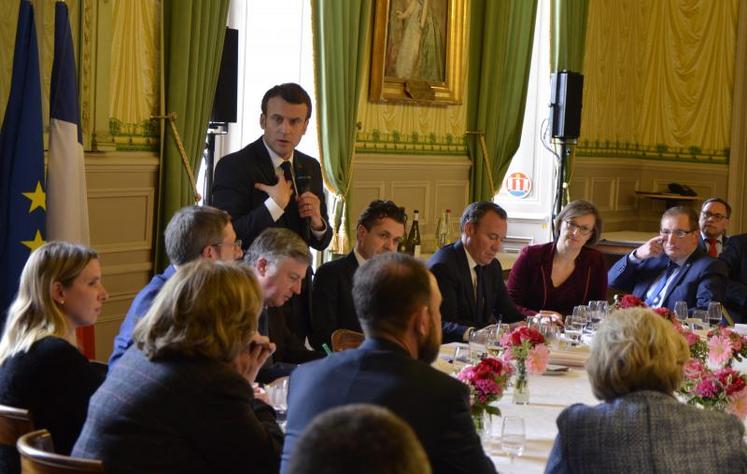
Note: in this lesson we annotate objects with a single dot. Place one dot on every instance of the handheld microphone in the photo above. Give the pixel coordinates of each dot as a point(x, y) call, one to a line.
point(303, 184)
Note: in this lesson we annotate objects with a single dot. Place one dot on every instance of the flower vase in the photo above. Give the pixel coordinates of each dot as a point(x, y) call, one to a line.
point(521, 384)
point(478, 419)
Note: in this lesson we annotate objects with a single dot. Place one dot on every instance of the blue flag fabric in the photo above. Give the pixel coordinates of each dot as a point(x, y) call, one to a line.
point(22, 197)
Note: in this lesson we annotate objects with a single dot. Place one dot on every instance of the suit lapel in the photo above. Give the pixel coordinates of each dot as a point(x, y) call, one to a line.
point(264, 163)
point(465, 275)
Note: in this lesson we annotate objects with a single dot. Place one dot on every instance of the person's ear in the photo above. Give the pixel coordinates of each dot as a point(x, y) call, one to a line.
point(360, 232)
point(469, 228)
point(58, 292)
point(422, 320)
point(262, 121)
point(208, 252)
point(261, 266)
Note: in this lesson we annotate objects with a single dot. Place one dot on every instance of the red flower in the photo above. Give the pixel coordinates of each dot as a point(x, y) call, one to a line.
point(525, 333)
point(631, 301)
point(730, 380)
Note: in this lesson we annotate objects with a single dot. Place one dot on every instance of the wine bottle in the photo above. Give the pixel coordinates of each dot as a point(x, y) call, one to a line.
point(413, 239)
point(442, 229)
point(402, 246)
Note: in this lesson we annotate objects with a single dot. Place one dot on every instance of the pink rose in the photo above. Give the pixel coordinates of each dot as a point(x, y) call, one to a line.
point(707, 388)
point(691, 338)
point(738, 404)
point(693, 369)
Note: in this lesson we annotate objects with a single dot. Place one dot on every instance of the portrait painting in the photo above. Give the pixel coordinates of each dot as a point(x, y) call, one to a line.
point(418, 45)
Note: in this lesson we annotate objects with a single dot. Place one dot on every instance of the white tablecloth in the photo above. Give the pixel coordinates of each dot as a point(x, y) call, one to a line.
point(548, 396)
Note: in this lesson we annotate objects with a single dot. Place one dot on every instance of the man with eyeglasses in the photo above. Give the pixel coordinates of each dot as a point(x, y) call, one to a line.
point(714, 219)
point(672, 267)
point(193, 232)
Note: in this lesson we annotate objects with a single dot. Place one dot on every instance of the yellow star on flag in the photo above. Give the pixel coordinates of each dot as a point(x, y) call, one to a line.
point(34, 244)
point(38, 198)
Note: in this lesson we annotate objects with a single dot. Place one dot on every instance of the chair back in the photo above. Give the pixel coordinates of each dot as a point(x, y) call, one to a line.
point(14, 423)
point(344, 339)
point(38, 457)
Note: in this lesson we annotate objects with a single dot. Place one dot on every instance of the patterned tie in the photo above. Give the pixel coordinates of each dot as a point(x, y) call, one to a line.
point(286, 167)
point(712, 249)
point(655, 297)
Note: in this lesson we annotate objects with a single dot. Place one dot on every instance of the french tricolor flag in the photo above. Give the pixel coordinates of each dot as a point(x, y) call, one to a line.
point(67, 201)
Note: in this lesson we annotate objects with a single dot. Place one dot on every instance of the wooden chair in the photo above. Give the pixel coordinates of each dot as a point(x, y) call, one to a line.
point(38, 457)
point(14, 423)
point(344, 339)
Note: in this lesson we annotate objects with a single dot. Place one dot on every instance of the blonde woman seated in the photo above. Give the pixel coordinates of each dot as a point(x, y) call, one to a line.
point(41, 369)
point(556, 276)
point(635, 366)
point(180, 399)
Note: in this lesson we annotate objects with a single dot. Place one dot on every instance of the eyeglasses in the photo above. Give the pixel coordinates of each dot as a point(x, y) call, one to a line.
point(236, 245)
point(715, 217)
point(679, 233)
point(582, 230)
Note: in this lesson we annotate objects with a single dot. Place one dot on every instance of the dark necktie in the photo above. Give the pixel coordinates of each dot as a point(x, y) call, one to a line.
point(479, 295)
point(286, 167)
point(655, 297)
point(712, 249)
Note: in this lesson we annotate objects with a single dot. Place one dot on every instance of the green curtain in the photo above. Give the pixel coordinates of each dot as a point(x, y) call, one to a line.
point(193, 32)
point(500, 52)
point(568, 34)
point(339, 28)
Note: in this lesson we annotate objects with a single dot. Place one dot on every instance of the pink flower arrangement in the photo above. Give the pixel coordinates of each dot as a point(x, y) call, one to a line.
point(527, 347)
point(486, 381)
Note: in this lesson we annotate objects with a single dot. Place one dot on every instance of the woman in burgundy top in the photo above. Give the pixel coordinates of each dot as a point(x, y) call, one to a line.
point(565, 273)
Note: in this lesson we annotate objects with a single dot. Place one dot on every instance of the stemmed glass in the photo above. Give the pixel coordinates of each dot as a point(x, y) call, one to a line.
point(513, 436)
point(680, 310)
point(277, 392)
point(714, 313)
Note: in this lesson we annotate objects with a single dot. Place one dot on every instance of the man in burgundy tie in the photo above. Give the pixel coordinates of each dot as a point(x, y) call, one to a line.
point(714, 218)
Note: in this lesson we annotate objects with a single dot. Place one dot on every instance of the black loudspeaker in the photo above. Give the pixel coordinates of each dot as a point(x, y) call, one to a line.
point(224, 105)
point(566, 91)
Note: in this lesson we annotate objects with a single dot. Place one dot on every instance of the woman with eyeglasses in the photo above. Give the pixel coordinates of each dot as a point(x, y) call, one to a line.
point(556, 276)
point(41, 369)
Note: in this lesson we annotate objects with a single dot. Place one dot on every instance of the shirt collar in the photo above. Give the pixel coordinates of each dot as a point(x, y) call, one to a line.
point(470, 261)
point(276, 159)
point(719, 239)
point(358, 257)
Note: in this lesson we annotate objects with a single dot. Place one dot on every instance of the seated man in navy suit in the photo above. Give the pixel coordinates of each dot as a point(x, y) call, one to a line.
point(735, 256)
point(672, 267)
point(380, 228)
point(469, 276)
point(397, 302)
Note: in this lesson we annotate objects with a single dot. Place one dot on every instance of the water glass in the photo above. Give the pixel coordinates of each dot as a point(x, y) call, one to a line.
point(513, 436)
point(478, 341)
point(714, 313)
point(277, 392)
point(461, 354)
point(699, 320)
point(574, 327)
point(680, 310)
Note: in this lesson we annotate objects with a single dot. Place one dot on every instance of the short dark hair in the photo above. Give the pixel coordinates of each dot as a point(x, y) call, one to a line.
point(474, 212)
point(289, 92)
point(387, 289)
point(720, 201)
point(277, 243)
point(576, 209)
point(360, 438)
point(191, 230)
point(683, 211)
point(379, 209)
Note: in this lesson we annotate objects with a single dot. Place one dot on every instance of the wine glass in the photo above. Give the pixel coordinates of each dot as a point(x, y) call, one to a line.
point(699, 320)
point(680, 310)
point(461, 354)
point(277, 392)
point(714, 313)
point(513, 436)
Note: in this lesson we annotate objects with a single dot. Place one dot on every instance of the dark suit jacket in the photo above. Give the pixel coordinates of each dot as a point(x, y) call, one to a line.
point(179, 415)
point(701, 281)
point(449, 265)
point(735, 256)
point(234, 192)
point(647, 432)
point(332, 300)
point(380, 372)
point(530, 283)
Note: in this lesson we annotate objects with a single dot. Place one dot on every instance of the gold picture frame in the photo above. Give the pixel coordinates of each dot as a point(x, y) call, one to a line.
point(418, 51)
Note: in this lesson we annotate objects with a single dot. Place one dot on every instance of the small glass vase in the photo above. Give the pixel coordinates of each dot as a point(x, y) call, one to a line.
point(483, 422)
point(521, 384)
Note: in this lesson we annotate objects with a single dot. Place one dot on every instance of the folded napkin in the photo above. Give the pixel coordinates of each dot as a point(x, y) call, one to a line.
point(570, 358)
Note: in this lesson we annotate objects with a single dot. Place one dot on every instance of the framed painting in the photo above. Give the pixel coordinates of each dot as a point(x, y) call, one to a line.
point(418, 51)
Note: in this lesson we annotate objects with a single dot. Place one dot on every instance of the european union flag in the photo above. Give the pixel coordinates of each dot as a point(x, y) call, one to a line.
point(22, 197)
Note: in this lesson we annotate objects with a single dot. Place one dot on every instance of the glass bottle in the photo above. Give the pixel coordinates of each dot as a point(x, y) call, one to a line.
point(413, 238)
point(402, 246)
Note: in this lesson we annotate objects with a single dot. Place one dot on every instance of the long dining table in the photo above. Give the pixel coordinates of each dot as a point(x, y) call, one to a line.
point(548, 396)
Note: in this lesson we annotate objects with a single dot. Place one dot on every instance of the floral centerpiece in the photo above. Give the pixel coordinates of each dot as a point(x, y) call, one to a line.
point(709, 380)
point(526, 347)
point(486, 381)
